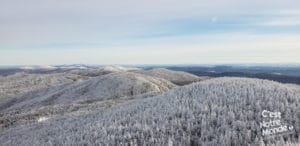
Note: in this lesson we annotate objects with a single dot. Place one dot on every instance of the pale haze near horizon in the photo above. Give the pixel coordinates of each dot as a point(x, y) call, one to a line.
point(45, 32)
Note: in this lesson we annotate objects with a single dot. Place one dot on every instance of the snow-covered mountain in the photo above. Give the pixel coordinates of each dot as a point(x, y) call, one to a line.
point(110, 86)
point(221, 111)
point(176, 77)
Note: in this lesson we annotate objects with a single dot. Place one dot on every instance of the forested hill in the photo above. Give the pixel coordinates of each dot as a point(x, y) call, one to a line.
point(220, 111)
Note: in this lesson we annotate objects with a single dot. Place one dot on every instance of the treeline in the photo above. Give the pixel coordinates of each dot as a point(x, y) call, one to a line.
point(268, 76)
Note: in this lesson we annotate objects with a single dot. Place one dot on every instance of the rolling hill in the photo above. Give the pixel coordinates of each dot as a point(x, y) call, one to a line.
point(220, 111)
point(110, 86)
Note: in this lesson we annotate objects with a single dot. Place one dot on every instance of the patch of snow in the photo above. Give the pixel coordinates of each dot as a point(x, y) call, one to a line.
point(277, 73)
point(42, 119)
point(46, 67)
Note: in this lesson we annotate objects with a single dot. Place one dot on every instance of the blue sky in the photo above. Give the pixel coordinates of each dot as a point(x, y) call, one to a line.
point(35, 32)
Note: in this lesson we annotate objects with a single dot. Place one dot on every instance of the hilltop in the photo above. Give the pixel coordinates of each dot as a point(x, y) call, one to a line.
point(176, 77)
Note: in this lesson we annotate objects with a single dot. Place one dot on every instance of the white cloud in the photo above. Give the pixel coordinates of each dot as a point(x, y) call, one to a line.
point(34, 22)
point(213, 48)
point(214, 19)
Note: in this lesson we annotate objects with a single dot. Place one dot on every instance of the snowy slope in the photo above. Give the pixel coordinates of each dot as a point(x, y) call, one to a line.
point(22, 82)
point(176, 77)
point(114, 85)
point(221, 111)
